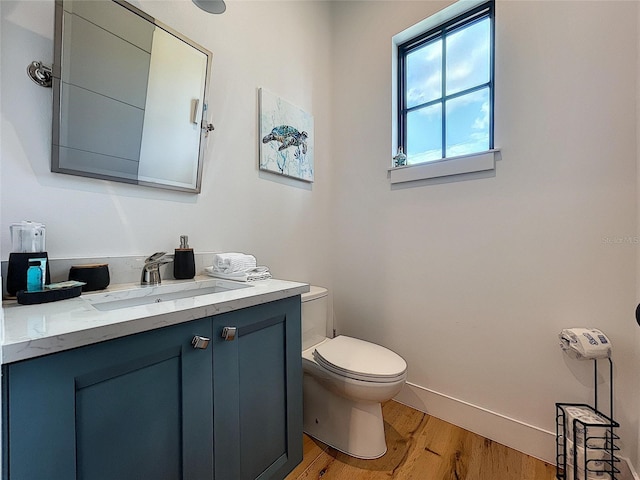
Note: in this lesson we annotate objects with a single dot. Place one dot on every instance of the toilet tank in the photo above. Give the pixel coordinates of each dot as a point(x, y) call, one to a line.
point(314, 316)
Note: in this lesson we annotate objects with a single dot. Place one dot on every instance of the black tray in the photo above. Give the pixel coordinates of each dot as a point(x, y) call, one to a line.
point(46, 296)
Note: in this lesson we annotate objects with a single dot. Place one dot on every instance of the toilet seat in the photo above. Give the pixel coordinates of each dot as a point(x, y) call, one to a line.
point(360, 360)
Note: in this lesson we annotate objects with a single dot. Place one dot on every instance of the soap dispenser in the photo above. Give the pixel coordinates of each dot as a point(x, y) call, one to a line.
point(184, 264)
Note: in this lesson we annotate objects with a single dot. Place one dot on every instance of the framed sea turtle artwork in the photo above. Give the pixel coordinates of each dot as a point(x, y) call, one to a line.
point(286, 138)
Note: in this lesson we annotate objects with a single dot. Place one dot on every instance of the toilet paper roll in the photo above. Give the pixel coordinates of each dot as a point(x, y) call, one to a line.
point(596, 437)
point(572, 473)
point(594, 459)
point(585, 343)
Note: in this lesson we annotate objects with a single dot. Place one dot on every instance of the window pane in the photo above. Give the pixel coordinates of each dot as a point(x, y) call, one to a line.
point(424, 74)
point(424, 134)
point(468, 57)
point(467, 126)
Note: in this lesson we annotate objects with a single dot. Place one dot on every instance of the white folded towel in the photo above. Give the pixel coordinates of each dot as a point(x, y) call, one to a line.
point(249, 275)
point(233, 262)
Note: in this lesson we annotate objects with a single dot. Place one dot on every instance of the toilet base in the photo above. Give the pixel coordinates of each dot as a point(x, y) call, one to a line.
point(355, 428)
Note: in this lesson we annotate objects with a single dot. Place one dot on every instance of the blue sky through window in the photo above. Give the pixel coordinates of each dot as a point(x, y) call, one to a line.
point(424, 139)
point(424, 74)
point(467, 58)
point(468, 123)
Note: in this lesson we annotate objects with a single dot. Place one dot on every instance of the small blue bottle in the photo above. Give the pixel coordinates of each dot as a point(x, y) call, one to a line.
point(34, 276)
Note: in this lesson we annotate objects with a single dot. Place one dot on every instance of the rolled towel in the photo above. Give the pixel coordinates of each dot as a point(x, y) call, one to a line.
point(233, 262)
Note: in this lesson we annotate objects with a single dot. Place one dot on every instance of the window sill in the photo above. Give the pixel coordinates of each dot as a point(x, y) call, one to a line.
point(477, 162)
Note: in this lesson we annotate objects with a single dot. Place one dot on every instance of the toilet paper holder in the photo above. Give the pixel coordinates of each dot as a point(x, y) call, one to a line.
point(592, 430)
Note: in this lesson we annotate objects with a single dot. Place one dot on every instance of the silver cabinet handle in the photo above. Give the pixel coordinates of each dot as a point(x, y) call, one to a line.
point(200, 342)
point(229, 333)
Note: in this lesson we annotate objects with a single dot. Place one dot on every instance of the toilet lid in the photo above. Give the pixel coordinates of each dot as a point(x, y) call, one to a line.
point(360, 360)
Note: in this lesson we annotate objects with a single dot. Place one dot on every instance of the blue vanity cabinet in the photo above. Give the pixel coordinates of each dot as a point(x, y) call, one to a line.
point(257, 384)
point(151, 406)
point(128, 409)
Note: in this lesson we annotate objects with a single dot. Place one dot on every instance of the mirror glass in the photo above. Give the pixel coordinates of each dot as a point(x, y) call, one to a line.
point(129, 97)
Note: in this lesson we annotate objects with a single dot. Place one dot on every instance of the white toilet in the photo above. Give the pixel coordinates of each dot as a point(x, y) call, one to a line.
point(345, 381)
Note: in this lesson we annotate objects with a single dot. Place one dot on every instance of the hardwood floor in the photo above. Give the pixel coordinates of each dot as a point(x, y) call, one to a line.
point(421, 447)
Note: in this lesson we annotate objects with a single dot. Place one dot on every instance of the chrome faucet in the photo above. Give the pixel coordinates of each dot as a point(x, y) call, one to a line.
point(151, 268)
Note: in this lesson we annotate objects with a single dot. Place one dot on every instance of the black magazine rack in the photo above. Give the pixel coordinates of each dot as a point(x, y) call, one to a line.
point(586, 447)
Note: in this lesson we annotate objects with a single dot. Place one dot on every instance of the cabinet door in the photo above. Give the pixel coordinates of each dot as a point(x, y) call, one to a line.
point(134, 408)
point(258, 392)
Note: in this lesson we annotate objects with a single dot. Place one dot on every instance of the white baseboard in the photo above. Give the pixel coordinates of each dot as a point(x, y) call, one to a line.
point(627, 472)
point(513, 433)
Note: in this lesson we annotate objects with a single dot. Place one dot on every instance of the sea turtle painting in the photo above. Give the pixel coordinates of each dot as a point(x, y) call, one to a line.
point(288, 136)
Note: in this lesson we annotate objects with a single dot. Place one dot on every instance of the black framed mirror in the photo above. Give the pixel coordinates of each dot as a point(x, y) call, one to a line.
point(129, 99)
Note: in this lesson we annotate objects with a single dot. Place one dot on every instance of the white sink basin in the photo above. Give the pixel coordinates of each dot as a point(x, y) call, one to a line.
point(137, 296)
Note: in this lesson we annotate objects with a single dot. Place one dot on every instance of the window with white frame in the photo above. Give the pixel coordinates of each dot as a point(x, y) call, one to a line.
point(446, 88)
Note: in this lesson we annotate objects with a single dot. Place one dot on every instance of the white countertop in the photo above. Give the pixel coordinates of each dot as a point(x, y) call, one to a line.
point(34, 330)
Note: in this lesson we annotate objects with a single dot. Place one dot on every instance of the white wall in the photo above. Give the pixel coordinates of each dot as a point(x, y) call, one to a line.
point(471, 281)
point(282, 46)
